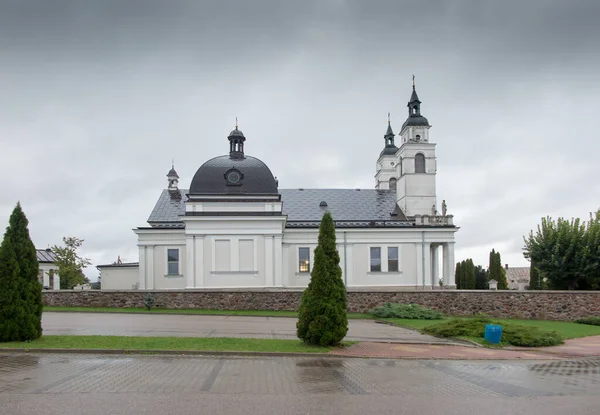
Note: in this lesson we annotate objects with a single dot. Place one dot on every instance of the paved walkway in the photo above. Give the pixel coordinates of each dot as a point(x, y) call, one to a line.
point(573, 348)
point(160, 325)
point(71, 384)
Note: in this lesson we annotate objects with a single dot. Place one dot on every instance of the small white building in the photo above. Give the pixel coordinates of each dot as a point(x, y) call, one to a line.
point(235, 228)
point(48, 271)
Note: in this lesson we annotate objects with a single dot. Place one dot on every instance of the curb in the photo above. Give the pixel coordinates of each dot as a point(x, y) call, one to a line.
point(170, 352)
point(233, 354)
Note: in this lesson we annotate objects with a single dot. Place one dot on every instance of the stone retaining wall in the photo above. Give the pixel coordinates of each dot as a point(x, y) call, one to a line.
point(552, 305)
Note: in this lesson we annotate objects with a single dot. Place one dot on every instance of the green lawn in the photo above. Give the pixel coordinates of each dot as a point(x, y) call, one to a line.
point(257, 313)
point(567, 330)
point(168, 343)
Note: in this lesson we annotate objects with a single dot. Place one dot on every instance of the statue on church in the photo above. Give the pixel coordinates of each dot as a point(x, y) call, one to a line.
point(434, 211)
point(444, 208)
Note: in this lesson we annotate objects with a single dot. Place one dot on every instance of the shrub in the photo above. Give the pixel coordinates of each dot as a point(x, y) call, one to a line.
point(512, 334)
point(148, 301)
point(594, 321)
point(407, 311)
point(322, 316)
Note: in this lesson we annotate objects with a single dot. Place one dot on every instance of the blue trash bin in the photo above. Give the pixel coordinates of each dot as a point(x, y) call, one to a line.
point(493, 333)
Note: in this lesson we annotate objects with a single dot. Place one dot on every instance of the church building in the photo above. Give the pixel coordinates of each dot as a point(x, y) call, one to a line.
point(235, 228)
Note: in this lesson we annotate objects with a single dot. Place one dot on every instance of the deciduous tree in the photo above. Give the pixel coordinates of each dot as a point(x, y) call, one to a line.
point(70, 264)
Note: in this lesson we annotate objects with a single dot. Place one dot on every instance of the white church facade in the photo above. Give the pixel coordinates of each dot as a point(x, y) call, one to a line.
point(235, 228)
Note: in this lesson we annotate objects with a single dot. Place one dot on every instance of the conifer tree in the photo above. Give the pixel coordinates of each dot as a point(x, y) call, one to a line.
point(20, 290)
point(469, 276)
point(458, 275)
point(535, 278)
point(322, 318)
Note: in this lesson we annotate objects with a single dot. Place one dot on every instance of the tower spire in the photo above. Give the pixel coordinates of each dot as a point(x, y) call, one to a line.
point(236, 123)
point(413, 82)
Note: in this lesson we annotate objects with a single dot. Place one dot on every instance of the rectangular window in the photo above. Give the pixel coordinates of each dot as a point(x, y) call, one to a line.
point(246, 255)
point(392, 259)
point(375, 259)
point(222, 255)
point(173, 261)
point(304, 259)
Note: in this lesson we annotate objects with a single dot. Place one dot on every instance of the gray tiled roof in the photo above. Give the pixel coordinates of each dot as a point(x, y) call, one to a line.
point(45, 255)
point(167, 209)
point(349, 207)
point(344, 204)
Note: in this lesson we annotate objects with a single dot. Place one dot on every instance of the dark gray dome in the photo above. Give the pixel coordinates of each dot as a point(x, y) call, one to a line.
point(415, 120)
point(225, 175)
point(389, 150)
point(236, 133)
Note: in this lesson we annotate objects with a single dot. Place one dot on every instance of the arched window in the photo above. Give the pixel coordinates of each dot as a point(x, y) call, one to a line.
point(419, 163)
point(393, 183)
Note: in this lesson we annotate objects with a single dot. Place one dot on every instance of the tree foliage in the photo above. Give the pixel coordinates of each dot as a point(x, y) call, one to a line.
point(20, 290)
point(322, 316)
point(496, 271)
point(465, 275)
point(566, 252)
point(535, 278)
point(481, 278)
point(70, 264)
point(458, 276)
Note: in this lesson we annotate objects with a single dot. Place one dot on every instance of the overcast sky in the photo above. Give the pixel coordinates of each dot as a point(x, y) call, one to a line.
point(97, 97)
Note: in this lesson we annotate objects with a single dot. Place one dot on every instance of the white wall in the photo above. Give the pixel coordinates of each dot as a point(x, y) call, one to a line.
point(119, 278)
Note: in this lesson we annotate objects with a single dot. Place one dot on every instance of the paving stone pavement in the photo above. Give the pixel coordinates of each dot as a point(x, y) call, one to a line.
point(437, 351)
point(115, 324)
point(33, 383)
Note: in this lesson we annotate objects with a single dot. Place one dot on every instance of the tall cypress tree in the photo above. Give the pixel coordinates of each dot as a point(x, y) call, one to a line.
point(535, 278)
point(470, 274)
point(322, 316)
point(458, 275)
point(20, 290)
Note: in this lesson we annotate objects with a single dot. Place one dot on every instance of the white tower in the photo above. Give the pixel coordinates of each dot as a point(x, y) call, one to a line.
point(416, 193)
point(386, 176)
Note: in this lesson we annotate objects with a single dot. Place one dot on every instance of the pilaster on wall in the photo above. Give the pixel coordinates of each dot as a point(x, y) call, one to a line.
point(150, 267)
point(142, 280)
point(190, 259)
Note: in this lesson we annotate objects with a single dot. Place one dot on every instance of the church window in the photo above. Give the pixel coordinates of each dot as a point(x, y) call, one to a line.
point(393, 183)
point(375, 259)
point(392, 259)
point(419, 163)
point(303, 259)
point(173, 261)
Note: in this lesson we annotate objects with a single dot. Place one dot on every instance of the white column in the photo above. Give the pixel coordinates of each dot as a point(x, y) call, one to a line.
point(56, 281)
point(449, 264)
point(419, 259)
point(142, 280)
point(190, 256)
point(269, 271)
point(426, 264)
point(150, 267)
point(199, 260)
point(435, 272)
point(278, 261)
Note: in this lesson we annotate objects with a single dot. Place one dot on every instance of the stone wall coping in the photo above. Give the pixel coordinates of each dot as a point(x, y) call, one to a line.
point(349, 289)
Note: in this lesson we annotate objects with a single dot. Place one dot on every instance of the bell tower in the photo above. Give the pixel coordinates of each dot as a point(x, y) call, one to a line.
point(386, 176)
point(416, 190)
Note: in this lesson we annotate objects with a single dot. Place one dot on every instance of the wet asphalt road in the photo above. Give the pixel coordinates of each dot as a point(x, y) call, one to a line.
point(115, 324)
point(103, 384)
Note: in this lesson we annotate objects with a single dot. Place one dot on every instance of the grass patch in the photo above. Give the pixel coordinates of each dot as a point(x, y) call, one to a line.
point(406, 311)
point(168, 343)
point(255, 313)
point(592, 321)
point(513, 334)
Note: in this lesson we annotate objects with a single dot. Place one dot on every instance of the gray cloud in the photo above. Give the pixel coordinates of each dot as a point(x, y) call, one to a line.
point(97, 98)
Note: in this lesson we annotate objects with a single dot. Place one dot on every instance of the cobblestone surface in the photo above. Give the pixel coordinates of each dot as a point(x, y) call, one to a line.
point(28, 373)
